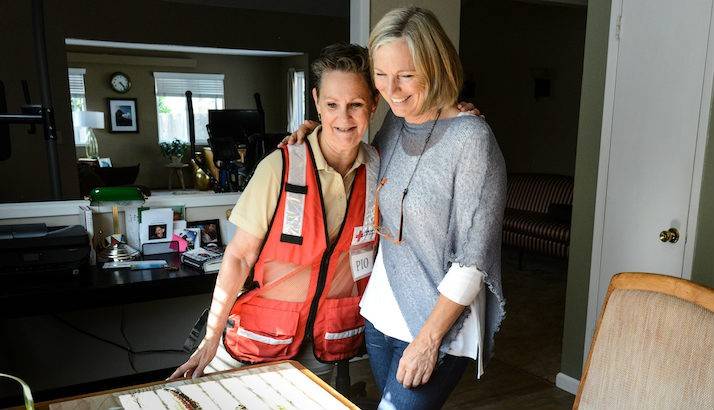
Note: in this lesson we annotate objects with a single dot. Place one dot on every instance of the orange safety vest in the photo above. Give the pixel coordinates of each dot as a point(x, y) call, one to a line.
point(306, 290)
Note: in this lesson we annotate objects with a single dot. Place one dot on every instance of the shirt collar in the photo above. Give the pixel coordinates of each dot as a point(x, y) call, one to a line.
point(320, 161)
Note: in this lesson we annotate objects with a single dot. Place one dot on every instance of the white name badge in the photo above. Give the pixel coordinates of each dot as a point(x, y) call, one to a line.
point(362, 234)
point(361, 262)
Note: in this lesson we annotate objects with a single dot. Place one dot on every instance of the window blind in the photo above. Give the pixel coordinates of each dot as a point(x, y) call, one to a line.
point(76, 81)
point(201, 85)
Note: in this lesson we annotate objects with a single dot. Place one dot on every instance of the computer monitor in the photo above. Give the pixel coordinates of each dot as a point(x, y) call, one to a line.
point(229, 129)
point(236, 125)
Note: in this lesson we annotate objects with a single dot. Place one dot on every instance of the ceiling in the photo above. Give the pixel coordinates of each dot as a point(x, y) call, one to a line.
point(334, 8)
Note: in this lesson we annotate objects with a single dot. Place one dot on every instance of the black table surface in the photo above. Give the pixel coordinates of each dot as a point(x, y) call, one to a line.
point(34, 294)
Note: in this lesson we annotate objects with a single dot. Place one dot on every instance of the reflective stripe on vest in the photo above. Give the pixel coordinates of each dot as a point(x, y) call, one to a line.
point(372, 175)
point(295, 192)
point(265, 339)
point(344, 335)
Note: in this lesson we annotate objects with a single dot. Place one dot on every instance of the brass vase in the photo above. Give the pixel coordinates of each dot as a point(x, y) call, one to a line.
point(202, 180)
point(210, 165)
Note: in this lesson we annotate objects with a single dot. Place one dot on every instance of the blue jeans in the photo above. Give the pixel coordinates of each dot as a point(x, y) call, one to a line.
point(384, 355)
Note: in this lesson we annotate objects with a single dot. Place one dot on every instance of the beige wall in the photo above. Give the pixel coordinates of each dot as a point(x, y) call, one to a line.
point(243, 77)
point(509, 44)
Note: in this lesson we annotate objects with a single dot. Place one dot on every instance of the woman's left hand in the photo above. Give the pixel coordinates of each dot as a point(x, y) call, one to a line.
point(418, 361)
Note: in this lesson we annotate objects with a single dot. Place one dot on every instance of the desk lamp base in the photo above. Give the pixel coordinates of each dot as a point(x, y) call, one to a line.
point(116, 252)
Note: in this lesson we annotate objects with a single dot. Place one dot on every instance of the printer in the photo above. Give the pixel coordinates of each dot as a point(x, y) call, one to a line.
point(37, 248)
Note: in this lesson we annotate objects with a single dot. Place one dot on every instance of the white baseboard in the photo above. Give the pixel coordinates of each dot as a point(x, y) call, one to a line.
point(567, 383)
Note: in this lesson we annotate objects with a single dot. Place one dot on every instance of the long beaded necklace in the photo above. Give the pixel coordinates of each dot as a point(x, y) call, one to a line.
point(384, 180)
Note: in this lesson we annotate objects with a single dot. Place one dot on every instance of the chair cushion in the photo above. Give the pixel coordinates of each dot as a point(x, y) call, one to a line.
point(652, 351)
point(536, 224)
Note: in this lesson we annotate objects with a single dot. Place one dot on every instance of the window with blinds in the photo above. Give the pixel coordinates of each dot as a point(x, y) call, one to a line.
point(296, 95)
point(172, 110)
point(78, 100)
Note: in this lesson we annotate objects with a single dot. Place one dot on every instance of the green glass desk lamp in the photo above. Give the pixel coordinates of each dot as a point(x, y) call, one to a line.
point(117, 249)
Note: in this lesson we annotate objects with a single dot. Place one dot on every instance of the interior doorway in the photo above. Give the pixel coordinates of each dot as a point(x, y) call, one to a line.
point(523, 69)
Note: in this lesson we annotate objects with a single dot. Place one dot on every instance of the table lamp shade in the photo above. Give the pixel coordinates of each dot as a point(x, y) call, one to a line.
point(88, 119)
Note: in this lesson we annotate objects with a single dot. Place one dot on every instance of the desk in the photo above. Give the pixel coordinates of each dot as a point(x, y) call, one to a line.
point(283, 385)
point(31, 299)
point(96, 287)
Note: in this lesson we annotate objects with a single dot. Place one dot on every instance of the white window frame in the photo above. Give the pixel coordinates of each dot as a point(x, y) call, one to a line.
point(201, 85)
point(297, 84)
point(80, 134)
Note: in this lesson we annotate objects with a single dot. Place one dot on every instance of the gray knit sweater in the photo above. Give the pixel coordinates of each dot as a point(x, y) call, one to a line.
point(453, 213)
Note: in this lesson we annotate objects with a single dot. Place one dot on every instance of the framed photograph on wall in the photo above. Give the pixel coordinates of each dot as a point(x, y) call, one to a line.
point(123, 115)
point(210, 233)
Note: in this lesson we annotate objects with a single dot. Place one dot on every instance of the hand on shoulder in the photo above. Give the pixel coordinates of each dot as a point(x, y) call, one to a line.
point(299, 136)
point(469, 108)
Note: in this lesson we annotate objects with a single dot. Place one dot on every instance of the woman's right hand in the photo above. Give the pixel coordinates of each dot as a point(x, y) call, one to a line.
point(198, 361)
point(299, 136)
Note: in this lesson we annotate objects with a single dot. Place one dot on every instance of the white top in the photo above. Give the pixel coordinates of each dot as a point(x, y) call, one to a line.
point(379, 306)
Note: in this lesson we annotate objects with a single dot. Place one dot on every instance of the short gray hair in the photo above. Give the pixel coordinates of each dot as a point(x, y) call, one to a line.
point(348, 58)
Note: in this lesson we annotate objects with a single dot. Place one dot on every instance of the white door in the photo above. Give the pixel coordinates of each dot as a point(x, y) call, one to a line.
point(655, 119)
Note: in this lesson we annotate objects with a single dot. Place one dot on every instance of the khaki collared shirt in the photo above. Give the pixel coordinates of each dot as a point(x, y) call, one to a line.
point(257, 203)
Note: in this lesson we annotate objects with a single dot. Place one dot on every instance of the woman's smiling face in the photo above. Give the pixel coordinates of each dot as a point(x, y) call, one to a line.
point(345, 104)
point(397, 80)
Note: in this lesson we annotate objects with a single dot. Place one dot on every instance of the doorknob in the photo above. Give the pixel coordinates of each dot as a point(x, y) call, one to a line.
point(671, 235)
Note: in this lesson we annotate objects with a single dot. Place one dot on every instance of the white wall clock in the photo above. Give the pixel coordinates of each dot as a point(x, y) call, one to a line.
point(120, 82)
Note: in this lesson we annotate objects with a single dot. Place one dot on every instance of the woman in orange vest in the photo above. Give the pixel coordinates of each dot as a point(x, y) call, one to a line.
point(294, 273)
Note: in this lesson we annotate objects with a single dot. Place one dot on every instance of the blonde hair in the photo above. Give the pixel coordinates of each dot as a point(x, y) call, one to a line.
point(435, 58)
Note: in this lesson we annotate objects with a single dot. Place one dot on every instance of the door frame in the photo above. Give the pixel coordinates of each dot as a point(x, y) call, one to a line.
point(359, 32)
point(619, 28)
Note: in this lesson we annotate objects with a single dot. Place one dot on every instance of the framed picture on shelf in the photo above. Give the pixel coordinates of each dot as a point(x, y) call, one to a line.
point(210, 233)
point(192, 236)
point(123, 115)
point(156, 225)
